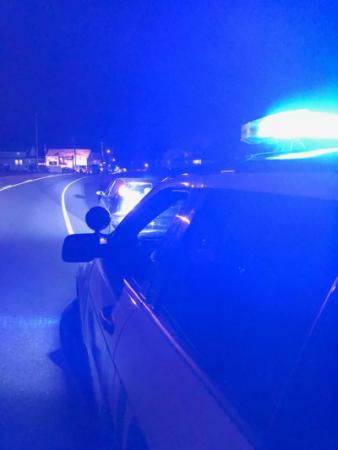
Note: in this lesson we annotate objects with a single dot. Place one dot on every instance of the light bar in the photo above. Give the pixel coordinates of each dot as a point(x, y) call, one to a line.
point(306, 154)
point(292, 125)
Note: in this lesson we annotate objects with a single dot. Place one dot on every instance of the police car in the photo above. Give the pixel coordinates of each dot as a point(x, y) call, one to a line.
point(219, 330)
point(124, 192)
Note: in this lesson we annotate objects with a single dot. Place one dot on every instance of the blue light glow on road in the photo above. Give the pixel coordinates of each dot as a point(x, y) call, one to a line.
point(27, 322)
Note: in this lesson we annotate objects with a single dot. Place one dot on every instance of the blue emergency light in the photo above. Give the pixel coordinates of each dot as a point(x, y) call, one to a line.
point(308, 154)
point(293, 125)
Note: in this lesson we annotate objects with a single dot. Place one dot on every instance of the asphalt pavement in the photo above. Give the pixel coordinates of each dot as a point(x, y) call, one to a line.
point(40, 405)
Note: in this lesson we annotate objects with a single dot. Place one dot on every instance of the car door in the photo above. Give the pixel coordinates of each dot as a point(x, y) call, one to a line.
point(307, 413)
point(203, 363)
point(106, 312)
point(163, 400)
point(109, 199)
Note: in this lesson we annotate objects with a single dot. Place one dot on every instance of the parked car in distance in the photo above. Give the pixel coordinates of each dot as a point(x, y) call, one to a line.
point(124, 192)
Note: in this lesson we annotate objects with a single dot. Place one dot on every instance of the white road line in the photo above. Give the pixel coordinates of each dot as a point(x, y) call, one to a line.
point(9, 186)
point(68, 224)
point(27, 322)
point(6, 187)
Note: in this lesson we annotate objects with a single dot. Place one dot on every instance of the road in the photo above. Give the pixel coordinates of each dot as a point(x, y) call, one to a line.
point(40, 407)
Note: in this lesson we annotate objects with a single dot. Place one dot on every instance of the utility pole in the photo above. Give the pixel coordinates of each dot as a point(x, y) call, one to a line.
point(74, 154)
point(102, 153)
point(36, 140)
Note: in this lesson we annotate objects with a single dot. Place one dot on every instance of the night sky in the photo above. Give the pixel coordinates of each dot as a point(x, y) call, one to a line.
point(145, 76)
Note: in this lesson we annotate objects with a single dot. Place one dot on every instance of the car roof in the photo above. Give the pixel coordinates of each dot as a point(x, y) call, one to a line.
point(311, 183)
point(145, 180)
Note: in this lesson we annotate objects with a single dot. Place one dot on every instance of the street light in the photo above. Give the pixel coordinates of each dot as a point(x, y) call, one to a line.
point(36, 141)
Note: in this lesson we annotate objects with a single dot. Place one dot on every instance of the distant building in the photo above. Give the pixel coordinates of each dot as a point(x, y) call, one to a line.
point(95, 159)
point(19, 161)
point(67, 158)
point(176, 159)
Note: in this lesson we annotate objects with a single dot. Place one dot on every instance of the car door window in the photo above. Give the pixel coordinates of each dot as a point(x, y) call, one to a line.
point(143, 231)
point(150, 239)
point(243, 287)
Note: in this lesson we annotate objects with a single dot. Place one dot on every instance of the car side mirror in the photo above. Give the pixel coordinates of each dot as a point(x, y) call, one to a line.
point(82, 247)
point(100, 193)
point(88, 246)
point(98, 218)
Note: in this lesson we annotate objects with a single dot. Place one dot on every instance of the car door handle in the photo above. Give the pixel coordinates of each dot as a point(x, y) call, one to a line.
point(106, 317)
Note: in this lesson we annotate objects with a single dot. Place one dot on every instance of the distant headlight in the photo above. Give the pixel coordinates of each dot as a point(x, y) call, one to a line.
point(131, 194)
point(130, 198)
